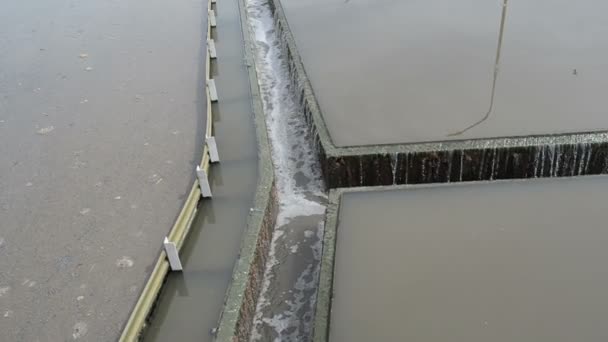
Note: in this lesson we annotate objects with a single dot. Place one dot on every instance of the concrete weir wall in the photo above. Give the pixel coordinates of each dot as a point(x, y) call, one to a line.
point(558, 156)
point(241, 299)
point(439, 162)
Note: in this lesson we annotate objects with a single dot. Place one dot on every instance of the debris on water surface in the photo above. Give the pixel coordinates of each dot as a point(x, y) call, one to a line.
point(88, 68)
point(124, 262)
point(45, 130)
point(83, 55)
point(80, 329)
point(155, 179)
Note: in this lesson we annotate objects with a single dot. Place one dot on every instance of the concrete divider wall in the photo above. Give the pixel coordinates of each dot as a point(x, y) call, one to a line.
point(236, 320)
point(449, 161)
point(498, 161)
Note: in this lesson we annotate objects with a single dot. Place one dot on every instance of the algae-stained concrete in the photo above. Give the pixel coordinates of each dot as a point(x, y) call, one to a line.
point(502, 261)
point(101, 124)
point(391, 105)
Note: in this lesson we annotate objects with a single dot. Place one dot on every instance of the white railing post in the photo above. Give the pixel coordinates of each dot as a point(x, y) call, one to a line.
point(211, 48)
point(203, 182)
point(214, 156)
point(212, 22)
point(172, 255)
point(212, 90)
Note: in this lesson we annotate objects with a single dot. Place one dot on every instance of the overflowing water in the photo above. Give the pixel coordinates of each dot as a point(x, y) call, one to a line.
point(285, 306)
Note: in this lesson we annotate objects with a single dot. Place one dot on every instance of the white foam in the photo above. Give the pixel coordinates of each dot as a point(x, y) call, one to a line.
point(292, 153)
point(290, 323)
point(300, 189)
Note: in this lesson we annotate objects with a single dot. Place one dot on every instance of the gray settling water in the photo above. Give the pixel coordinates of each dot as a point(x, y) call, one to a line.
point(505, 261)
point(390, 71)
point(285, 306)
point(101, 124)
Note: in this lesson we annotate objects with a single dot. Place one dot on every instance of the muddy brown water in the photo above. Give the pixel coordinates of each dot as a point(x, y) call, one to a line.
point(389, 71)
point(509, 261)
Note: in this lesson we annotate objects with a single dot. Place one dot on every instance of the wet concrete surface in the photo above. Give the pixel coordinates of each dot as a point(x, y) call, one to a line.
point(191, 302)
point(101, 121)
point(391, 71)
point(505, 261)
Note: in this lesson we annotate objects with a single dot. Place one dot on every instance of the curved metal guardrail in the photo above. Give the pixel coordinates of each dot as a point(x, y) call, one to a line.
point(181, 227)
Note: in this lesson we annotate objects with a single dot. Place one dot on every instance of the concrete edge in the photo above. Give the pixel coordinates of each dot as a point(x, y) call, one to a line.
point(339, 192)
point(300, 80)
point(324, 293)
point(442, 161)
point(236, 320)
point(144, 307)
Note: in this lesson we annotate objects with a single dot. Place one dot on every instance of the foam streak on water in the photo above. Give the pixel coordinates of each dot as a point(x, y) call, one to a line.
point(285, 306)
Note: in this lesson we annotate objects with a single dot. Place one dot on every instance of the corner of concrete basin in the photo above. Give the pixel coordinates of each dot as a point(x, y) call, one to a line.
point(324, 293)
point(550, 155)
point(341, 206)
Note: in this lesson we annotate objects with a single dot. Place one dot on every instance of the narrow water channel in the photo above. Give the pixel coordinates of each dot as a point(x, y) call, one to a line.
point(285, 307)
point(191, 302)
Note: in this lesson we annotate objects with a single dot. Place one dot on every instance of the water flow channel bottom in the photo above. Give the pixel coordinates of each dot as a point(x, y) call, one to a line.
point(191, 302)
point(505, 261)
point(286, 303)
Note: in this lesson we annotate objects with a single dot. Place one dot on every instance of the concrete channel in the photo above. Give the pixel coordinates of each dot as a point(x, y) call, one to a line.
point(285, 307)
